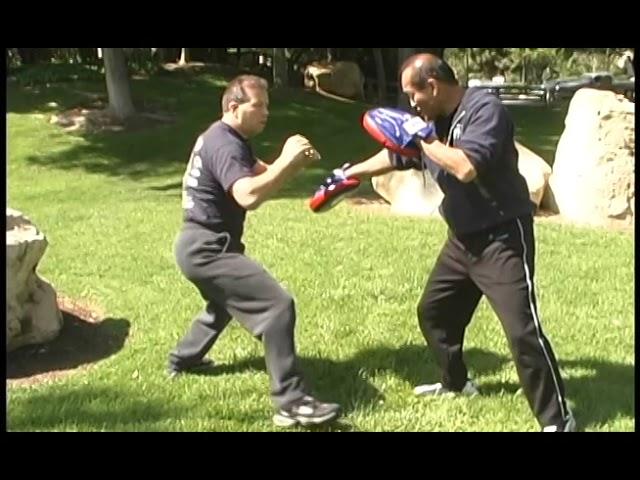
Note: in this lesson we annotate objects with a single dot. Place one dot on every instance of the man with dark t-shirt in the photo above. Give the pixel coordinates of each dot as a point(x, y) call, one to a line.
point(490, 245)
point(223, 180)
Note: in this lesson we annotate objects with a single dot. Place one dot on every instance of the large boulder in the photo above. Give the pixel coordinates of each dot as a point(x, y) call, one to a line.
point(535, 171)
point(593, 175)
point(344, 79)
point(409, 192)
point(33, 316)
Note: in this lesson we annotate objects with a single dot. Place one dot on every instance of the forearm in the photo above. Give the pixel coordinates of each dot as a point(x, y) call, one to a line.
point(453, 160)
point(251, 192)
point(378, 164)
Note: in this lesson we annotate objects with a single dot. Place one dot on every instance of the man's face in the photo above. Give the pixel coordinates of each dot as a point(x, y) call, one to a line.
point(252, 115)
point(423, 101)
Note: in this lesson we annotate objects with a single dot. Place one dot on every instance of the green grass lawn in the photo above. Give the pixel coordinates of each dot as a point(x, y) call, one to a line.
point(110, 207)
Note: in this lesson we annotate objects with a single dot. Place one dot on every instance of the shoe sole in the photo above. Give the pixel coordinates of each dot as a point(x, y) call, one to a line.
point(571, 425)
point(443, 394)
point(282, 421)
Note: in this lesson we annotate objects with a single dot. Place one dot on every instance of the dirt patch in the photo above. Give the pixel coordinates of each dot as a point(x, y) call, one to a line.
point(86, 337)
point(94, 116)
point(369, 204)
point(196, 67)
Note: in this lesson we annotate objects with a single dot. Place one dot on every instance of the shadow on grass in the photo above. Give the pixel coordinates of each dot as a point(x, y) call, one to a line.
point(346, 382)
point(86, 408)
point(163, 150)
point(600, 396)
point(194, 100)
point(79, 343)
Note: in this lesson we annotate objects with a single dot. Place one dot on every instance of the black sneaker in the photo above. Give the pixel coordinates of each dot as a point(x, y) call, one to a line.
point(306, 411)
point(203, 364)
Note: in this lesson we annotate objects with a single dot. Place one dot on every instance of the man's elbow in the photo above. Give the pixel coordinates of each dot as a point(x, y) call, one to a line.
point(467, 173)
point(244, 194)
point(464, 170)
point(249, 202)
point(246, 200)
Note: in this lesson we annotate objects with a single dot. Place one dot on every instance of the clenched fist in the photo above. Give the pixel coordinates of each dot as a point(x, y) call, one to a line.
point(298, 150)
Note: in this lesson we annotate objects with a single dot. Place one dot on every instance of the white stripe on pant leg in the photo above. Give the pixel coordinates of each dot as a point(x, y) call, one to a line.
point(536, 321)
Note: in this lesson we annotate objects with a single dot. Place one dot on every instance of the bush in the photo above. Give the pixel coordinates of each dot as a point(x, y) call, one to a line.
point(31, 75)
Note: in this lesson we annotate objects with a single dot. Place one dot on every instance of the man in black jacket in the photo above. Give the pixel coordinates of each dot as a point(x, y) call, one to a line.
point(490, 247)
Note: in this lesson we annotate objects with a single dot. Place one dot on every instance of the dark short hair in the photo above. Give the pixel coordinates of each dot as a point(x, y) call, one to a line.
point(236, 91)
point(431, 67)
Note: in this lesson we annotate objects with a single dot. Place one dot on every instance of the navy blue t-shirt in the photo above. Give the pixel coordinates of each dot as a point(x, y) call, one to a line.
point(220, 157)
point(481, 127)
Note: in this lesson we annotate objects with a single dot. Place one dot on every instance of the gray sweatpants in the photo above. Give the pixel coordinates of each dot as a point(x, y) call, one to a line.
point(235, 286)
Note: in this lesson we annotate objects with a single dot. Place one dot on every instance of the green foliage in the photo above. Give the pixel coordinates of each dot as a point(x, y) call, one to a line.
point(141, 61)
point(43, 74)
point(540, 63)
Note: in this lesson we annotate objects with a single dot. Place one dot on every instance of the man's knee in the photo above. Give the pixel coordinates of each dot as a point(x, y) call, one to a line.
point(282, 314)
point(523, 338)
point(283, 302)
point(427, 313)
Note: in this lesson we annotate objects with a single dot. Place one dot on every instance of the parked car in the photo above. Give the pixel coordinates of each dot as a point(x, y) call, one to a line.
point(514, 93)
point(563, 89)
point(552, 91)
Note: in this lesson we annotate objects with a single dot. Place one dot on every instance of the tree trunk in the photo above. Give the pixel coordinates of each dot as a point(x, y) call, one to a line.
point(280, 68)
point(184, 56)
point(403, 54)
point(380, 75)
point(118, 85)
point(629, 66)
point(466, 67)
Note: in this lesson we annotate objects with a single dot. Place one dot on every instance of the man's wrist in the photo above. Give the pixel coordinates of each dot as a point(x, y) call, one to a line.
point(430, 140)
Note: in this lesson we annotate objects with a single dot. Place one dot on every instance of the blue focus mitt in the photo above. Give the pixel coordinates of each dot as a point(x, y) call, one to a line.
point(397, 130)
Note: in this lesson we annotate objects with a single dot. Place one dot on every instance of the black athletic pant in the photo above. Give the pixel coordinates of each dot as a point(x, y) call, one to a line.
point(499, 263)
point(234, 285)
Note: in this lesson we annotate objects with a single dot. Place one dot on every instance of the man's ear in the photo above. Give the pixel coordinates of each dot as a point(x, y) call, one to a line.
point(233, 107)
point(433, 84)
